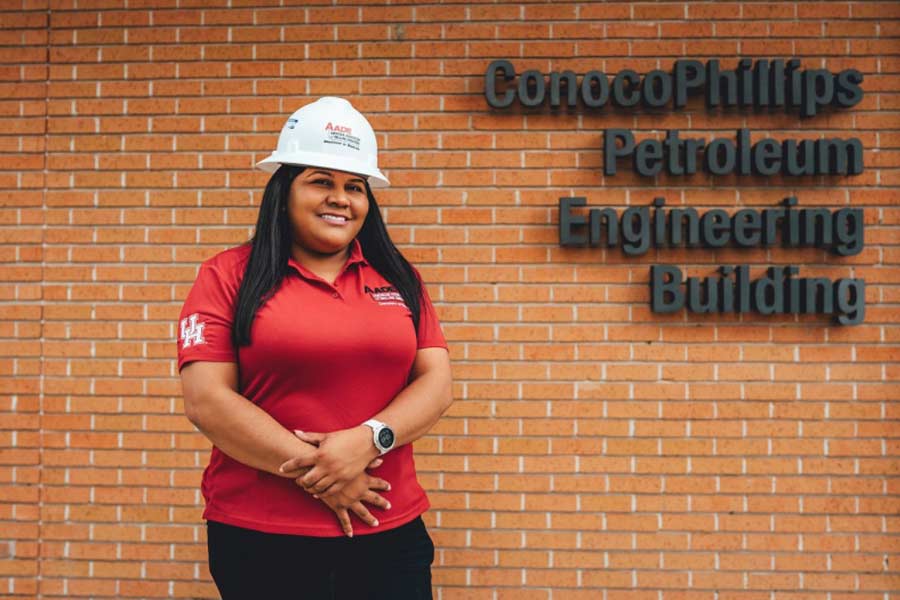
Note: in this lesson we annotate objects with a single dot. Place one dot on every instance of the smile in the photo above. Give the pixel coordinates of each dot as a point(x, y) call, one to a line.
point(334, 219)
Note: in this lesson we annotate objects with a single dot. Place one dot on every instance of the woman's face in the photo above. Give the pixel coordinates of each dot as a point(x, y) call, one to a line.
point(326, 209)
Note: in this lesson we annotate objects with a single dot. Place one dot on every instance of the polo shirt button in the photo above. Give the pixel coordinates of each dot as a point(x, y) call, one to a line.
point(335, 295)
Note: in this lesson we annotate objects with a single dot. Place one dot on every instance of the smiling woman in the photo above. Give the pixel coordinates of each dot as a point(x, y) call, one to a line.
point(311, 357)
point(327, 209)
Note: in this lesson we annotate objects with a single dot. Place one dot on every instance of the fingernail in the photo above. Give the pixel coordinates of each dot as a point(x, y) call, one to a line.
point(281, 469)
point(388, 507)
point(375, 524)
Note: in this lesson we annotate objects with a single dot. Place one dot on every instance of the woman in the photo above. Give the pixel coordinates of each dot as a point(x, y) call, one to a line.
point(311, 357)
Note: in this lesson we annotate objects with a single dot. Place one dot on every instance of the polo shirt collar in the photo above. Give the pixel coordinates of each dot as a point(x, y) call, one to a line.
point(356, 256)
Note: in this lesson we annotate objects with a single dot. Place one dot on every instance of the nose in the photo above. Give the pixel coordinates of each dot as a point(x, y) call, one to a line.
point(338, 197)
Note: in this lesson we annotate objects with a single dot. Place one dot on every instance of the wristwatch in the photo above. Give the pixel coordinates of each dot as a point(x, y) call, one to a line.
point(382, 435)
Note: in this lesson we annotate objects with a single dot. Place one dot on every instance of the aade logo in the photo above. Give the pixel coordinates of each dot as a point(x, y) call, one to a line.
point(385, 296)
point(338, 128)
point(340, 135)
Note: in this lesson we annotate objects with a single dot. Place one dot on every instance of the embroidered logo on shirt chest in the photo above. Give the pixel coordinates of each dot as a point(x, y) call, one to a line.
point(192, 331)
point(385, 296)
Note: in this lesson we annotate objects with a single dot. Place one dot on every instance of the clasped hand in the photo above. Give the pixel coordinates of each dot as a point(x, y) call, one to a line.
point(335, 473)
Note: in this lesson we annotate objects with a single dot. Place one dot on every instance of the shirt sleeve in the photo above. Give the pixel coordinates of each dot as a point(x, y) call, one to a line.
point(429, 334)
point(204, 326)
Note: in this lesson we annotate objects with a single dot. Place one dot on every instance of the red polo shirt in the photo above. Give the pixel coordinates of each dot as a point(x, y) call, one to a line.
point(323, 357)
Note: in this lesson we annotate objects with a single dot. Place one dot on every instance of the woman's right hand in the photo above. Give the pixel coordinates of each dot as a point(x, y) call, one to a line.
point(364, 488)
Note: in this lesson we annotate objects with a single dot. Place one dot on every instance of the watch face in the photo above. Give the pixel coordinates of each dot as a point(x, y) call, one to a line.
point(386, 437)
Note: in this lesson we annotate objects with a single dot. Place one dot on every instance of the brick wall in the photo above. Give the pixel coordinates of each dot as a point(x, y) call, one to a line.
point(595, 449)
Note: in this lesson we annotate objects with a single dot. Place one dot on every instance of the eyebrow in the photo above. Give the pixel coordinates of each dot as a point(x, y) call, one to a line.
point(359, 179)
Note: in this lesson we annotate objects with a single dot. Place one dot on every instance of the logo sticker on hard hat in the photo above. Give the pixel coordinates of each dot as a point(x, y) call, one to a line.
point(341, 135)
point(291, 123)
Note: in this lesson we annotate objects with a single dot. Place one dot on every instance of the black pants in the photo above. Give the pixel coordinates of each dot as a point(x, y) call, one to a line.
point(251, 565)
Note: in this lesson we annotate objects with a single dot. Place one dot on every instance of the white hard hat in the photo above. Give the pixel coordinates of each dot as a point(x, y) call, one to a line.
point(328, 133)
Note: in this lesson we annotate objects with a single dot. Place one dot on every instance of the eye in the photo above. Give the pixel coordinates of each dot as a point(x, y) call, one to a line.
point(355, 187)
point(323, 181)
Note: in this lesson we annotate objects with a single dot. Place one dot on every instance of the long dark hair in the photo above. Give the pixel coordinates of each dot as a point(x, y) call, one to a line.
point(271, 248)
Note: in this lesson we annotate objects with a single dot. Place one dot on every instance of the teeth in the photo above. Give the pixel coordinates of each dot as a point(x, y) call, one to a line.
point(334, 218)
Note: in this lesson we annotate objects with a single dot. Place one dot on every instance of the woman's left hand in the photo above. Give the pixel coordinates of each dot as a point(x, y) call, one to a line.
point(341, 456)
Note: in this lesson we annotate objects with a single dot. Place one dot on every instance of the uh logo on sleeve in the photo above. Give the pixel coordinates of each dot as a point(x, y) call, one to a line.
point(191, 331)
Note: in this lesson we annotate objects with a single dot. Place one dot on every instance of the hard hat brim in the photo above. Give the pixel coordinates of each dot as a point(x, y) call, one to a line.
point(374, 177)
